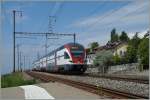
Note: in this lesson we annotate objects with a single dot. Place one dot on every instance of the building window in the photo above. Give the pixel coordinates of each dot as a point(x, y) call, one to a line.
point(121, 53)
point(124, 52)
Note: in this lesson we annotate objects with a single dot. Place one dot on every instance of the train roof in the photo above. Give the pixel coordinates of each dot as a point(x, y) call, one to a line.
point(59, 48)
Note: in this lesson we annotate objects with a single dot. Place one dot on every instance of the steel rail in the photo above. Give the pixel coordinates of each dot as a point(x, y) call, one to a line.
point(137, 80)
point(88, 87)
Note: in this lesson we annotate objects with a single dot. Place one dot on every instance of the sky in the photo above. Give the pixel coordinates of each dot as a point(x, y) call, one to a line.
point(89, 20)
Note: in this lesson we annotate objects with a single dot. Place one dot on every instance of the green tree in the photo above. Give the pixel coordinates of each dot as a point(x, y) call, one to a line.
point(132, 49)
point(114, 35)
point(93, 45)
point(124, 37)
point(103, 59)
point(131, 55)
point(116, 59)
point(143, 52)
point(87, 50)
point(135, 41)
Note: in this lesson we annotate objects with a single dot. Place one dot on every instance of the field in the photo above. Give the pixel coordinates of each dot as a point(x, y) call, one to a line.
point(15, 79)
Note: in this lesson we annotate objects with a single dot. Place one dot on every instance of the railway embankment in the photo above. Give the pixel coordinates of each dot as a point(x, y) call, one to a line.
point(130, 87)
point(75, 81)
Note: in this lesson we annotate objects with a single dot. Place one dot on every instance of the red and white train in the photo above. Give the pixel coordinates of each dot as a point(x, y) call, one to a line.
point(69, 58)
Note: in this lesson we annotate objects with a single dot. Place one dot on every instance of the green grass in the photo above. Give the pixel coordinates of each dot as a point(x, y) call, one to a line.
point(15, 79)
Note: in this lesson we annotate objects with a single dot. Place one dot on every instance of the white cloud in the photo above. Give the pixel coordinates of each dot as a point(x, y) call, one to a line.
point(129, 13)
point(140, 34)
point(132, 18)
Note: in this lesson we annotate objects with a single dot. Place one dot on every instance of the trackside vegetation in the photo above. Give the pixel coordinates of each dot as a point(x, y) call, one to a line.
point(143, 52)
point(15, 79)
point(137, 51)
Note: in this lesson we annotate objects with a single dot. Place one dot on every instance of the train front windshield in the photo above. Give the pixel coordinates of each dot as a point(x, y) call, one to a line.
point(77, 51)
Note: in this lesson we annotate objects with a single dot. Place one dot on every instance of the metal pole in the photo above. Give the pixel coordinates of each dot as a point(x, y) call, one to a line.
point(29, 63)
point(14, 40)
point(46, 50)
point(24, 63)
point(18, 55)
point(20, 62)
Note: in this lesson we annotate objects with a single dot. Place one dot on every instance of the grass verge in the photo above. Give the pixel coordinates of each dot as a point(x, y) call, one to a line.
point(15, 79)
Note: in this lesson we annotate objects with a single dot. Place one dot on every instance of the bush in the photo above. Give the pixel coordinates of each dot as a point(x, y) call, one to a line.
point(143, 52)
point(103, 59)
point(116, 60)
point(131, 55)
point(132, 49)
point(119, 60)
point(124, 60)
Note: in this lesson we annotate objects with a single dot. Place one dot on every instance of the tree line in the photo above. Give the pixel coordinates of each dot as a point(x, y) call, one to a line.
point(116, 38)
point(137, 51)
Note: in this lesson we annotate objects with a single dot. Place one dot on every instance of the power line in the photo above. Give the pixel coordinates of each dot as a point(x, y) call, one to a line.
point(43, 33)
point(27, 37)
point(43, 22)
point(105, 16)
point(112, 12)
point(123, 17)
point(97, 8)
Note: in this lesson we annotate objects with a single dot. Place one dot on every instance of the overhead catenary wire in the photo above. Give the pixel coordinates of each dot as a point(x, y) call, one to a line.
point(112, 12)
point(97, 8)
point(105, 16)
point(27, 37)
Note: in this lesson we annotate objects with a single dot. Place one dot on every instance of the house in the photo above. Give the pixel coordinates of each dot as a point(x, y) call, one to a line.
point(147, 35)
point(117, 48)
point(90, 58)
point(90, 55)
point(120, 49)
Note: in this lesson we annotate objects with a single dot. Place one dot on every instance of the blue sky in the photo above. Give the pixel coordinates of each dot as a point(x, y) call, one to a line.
point(90, 20)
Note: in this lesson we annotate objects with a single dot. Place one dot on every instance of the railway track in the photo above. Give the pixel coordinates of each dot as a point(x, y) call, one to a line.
point(88, 87)
point(121, 78)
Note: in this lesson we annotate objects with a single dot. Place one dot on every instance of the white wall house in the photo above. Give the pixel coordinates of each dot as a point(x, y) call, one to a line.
point(90, 58)
point(118, 48)
point(121, 49)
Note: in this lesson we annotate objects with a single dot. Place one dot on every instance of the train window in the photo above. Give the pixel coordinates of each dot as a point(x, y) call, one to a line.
point(77, 53)
point(66, 56)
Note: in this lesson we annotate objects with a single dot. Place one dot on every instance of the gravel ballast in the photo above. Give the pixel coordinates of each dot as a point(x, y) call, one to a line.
point(130, 87)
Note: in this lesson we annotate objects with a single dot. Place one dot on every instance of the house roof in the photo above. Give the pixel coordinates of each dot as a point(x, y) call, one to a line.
point(147, 34)
point(110, 46)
